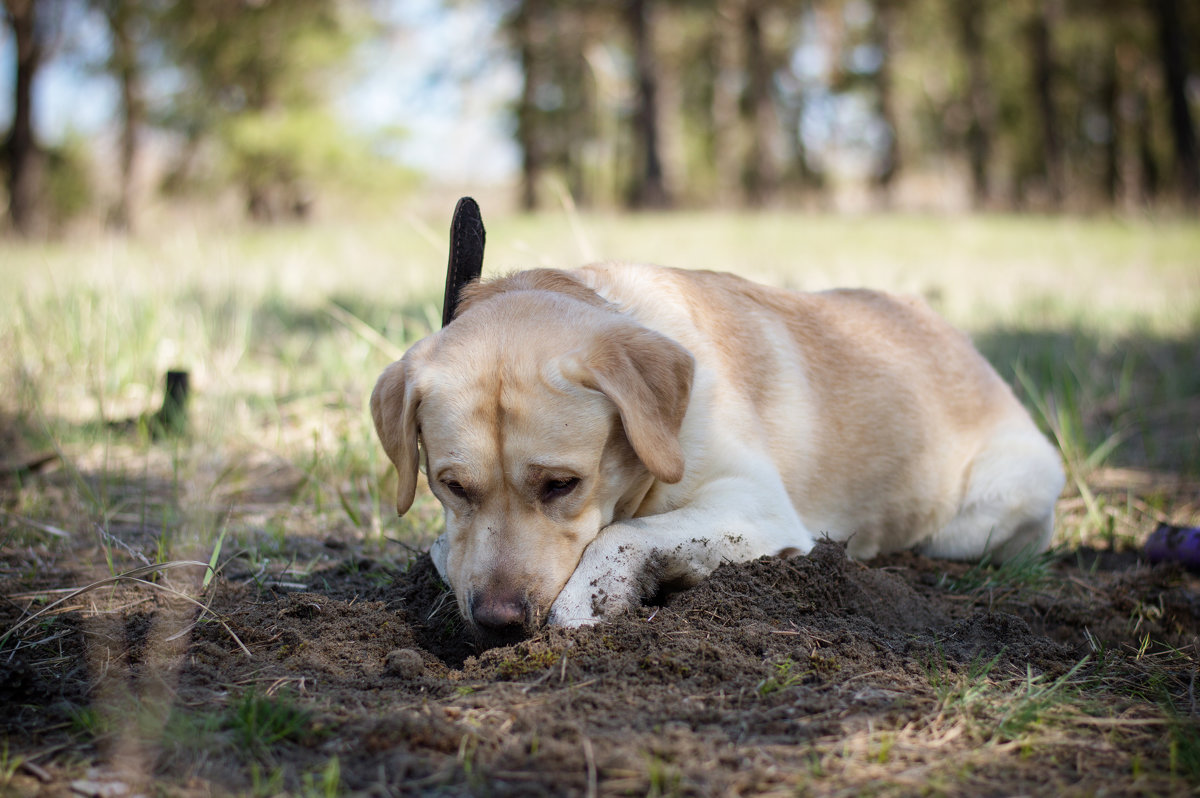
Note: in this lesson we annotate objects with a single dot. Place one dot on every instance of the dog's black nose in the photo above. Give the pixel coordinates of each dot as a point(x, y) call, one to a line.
point(500, 612)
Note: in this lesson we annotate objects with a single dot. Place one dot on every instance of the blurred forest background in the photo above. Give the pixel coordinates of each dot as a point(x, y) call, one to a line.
point(1038, 105)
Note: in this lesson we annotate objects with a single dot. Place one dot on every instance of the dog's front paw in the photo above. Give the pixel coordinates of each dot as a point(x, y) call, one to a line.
point(568, 612)
point(573, 610)
point(604, 584)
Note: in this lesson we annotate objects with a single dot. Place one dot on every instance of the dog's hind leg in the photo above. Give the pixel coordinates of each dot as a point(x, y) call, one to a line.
point(1008, 504)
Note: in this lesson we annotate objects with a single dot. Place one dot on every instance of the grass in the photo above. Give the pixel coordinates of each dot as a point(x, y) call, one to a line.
point(9, 764)
point(784, 674)
point(1095, 322)
point(284, 331)
point(1028, 570)
point(259, 722)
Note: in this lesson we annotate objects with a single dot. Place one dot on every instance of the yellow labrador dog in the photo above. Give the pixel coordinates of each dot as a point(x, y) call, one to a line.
point(594, 434)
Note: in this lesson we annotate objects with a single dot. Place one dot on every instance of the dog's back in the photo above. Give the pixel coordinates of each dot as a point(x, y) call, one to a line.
point(874, 409)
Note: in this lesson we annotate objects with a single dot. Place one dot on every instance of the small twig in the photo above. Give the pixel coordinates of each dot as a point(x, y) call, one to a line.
point(1088, 720)
point(586, 250)
point(363, 330)
point(42, 642)
point(32, 594)
point(112, 580)
point(287, 585)
point(424, 231)
point(125, 547)
point(30, 464)
point(590, 757)
point(36, 771)
point(281, 682)
point(49, 530)
point(204, 608)
point(181, 632)
point(408, 546)
point(441, 776)
point(134, 576)
point(862, 676)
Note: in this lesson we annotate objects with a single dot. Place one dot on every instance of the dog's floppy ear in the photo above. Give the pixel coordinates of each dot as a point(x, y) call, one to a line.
point(649, 378)
point(394, 408)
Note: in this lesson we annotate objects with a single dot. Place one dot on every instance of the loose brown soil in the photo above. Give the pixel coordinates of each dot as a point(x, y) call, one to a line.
point(810, 675)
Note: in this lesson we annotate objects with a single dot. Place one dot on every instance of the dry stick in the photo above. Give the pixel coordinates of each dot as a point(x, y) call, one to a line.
point(203, 608)
point(28, 594)
point(29, 464)
point(363, 330)
point(133, 575)
point(408, 546)
point(110, 538)
point(112, 580)
point(590, 757)
point(36, 771)
point(424, 231)
point(49, 530)
point(568, 204)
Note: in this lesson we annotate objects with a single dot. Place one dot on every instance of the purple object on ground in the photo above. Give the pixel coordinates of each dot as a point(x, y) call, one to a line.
point(1179, 544)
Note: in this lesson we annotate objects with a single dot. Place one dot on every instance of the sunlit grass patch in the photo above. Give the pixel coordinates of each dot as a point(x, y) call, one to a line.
point(279, 481)
point(284, 331)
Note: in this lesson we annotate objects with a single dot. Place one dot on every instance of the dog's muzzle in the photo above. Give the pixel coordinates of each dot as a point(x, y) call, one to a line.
point(500, 616)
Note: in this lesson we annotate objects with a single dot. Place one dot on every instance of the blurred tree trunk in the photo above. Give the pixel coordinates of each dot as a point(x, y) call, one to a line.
point(886, 18)
point(124, 65)
point(978, 100)
point(726, 144)
point(1044, 68)
point(265, 191)
point(255, 78)
point(648, 189)
point(761, 179)
point(24, 157)
point(1173, 52)
point(1110, 101)
point(527, 134)
point(673, 49)
point(1148, 171)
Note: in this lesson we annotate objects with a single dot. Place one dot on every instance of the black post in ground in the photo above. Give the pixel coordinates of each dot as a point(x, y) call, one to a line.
point(467, 238)
point(172, 418)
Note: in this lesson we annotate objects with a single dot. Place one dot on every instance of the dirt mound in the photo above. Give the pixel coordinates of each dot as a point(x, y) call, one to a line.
point(768, 676)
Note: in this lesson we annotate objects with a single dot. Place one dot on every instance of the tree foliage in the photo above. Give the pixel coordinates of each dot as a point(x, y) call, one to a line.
point(1037, 103)
point(254, 76)
point(1025, 104)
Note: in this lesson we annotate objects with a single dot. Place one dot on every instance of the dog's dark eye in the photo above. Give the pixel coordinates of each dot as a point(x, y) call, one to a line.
point(557, 488)
point(456, 488)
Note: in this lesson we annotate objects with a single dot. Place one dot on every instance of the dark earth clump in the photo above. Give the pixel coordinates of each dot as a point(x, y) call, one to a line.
point(809, 674)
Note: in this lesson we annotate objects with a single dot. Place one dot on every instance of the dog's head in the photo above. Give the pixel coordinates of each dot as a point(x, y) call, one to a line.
point(544, 415)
